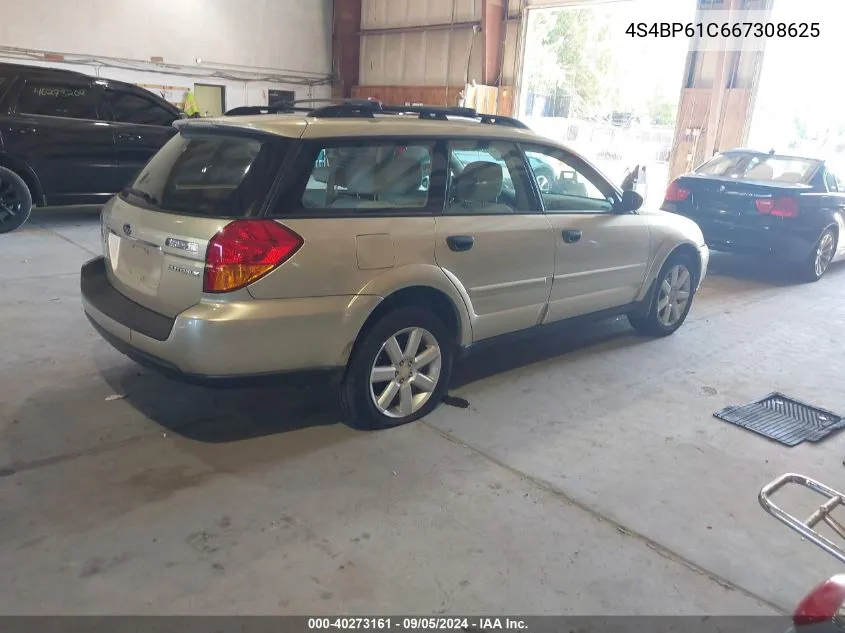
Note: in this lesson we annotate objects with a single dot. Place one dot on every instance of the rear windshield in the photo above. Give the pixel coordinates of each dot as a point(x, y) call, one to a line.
point(210, 174)
point(762, 167)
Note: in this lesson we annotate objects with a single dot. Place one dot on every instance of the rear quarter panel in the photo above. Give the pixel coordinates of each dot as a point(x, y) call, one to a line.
point(356, 257)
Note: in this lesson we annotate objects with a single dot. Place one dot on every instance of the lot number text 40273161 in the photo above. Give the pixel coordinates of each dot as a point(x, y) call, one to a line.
point(724, 29)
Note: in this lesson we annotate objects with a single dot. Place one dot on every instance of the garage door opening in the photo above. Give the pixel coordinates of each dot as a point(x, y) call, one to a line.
point(798, 109)
point(608, 95)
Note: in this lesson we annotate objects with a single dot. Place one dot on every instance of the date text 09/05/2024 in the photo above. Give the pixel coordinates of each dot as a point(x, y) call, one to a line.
point(725, 29)
point(417, 623)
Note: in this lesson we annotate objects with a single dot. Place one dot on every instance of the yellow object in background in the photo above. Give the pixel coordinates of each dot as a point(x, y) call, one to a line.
point(190, 106)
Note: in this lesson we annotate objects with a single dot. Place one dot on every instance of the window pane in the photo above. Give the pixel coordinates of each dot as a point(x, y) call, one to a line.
point(387, 176)
point(564, 187)
point(211, 174)
point(129, 108)
point(486, 178)
point(761, 167)
point(54, 99)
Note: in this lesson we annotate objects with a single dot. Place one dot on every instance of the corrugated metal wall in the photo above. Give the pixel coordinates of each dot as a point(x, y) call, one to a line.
point(423, 57)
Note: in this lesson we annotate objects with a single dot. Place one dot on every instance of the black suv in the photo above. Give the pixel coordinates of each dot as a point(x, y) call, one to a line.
point(67, 138)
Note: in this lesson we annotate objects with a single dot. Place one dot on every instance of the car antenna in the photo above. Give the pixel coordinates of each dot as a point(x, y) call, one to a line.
point(771, 152)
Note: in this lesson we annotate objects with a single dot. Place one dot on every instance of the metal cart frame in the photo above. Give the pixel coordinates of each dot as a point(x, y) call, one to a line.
point(822, 514)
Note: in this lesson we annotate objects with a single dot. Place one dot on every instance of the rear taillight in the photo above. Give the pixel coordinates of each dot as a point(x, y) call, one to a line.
point(676, 193)
point(784, 207)
point(245, 250)
point(822, 604)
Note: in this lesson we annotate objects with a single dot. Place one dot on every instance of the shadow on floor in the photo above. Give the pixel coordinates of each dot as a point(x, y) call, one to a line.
point(557, 341)
point(219, 415)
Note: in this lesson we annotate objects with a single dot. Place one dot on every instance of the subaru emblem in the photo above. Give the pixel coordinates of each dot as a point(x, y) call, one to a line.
point(127, 230)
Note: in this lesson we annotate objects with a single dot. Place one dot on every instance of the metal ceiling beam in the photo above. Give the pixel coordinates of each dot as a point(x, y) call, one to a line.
point(423, 27)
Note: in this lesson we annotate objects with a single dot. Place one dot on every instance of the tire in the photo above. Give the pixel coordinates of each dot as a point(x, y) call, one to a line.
point(655, 322)
point(15, 201)
point(358, 396)
point(818, 263)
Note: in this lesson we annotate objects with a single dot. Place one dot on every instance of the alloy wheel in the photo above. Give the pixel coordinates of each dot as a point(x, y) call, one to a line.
point(405, 372)
point(674, 295)
point(824, 254)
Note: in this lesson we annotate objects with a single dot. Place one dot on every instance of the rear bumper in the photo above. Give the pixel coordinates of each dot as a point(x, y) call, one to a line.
point(221, 342)
point(782, 240)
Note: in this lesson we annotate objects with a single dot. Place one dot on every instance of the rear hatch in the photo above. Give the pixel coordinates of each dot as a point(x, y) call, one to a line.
point(156, 231)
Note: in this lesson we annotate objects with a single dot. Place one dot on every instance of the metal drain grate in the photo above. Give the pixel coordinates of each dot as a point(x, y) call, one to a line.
point(783, 419)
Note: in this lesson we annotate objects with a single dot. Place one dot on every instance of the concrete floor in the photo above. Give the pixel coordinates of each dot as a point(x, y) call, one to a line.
point(587, 476)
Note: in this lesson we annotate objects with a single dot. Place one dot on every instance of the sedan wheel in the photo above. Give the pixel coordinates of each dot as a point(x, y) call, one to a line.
point(820, 259)
point(824, 254)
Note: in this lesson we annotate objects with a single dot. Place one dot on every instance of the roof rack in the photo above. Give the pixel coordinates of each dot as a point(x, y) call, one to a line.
point(369, 108)
point(282, 107)
point(278, 108)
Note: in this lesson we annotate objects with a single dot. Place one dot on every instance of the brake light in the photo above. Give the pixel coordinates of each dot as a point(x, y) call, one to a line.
point(784, 207)
point(676, 193)
point(244, 251)
point(822, 604)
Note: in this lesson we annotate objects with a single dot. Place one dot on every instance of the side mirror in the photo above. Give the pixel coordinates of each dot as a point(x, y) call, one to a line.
point(630, 202)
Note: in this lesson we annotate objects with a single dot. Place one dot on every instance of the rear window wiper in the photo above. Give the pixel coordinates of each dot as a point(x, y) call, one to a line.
point(143, 195)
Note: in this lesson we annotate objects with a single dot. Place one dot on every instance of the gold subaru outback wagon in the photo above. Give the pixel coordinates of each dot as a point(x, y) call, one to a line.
point(374, 242)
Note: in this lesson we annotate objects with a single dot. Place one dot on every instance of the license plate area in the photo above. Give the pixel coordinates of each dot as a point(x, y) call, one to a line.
point(136, 264)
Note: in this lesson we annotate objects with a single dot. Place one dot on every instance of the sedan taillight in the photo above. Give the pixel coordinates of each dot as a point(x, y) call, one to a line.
point(676, 193)
point(784, 206)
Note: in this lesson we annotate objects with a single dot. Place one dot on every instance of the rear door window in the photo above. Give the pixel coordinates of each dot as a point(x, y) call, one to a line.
point(57, 98)
point(210, 174)
point(487, 178)
point(370, 175)
point(126, 107)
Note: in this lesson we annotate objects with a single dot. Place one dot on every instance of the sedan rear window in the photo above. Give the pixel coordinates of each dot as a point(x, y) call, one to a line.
point(210, 174)
point(761, 167)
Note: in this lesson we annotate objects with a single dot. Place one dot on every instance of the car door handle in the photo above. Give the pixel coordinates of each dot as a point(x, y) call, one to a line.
point(570, 236)
point(459, 243)
point(28, 130)
point(130, 137)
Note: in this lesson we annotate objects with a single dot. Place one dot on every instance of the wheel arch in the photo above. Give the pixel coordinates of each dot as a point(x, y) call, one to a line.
point(668, 250)
point(426, 286)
